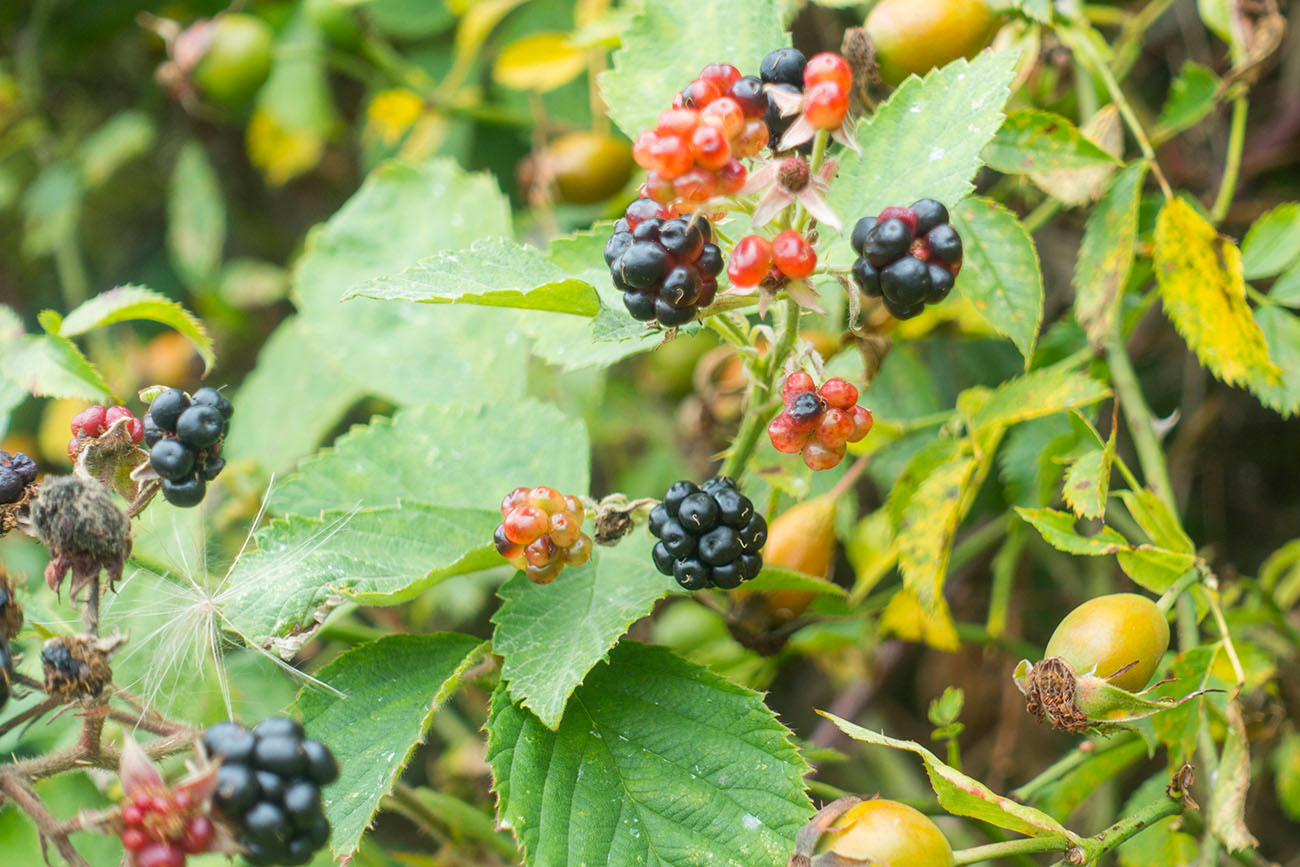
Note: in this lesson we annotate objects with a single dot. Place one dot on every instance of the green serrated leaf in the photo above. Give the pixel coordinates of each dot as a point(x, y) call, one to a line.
point(1039, 141)
point(927, 526)
point(376, 556)
point(1000, 272)
point(1286, 290)
point(915, 127)
point(1156, 569)
point(657, 760)
point(1106, 253)
point(1227, 810)
point(551, 635)
point(392, 688)
point(50, 365)
point(1081, 186)
point(1057, 530)
point(645, 77)
point(776, 578)
point(962, 795)
point(494, 272)
point(126, 303)
point(196, 216)
point(1039, 393)
point(1273, 242)
point(1029, 460)
point(1087, 483)
point(1200, 277)
point(1191, 99)
point(448, 455)
point(1281, 331)
point(1157, 520)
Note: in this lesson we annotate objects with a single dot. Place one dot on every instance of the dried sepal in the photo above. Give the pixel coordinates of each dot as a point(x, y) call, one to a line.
point(1076, 703)
point(111, 458)
point(84, 529)
point(805, 842)
point(76, 667)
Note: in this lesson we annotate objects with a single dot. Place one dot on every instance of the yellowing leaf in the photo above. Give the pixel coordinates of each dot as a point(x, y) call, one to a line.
point(391, 113)
point(1204, 294)
point(927, 526)
point(907, 618)
point(282, 154)
point(539, 61)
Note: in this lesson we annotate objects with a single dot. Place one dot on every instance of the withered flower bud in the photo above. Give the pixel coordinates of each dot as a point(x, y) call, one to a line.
point(84, 529)
point(76, 666)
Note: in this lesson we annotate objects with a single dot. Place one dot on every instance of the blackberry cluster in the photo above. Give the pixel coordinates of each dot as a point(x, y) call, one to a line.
point(163, 827)
point(709, 536)
point(819, 422)
point(908, 256)
point(184, 436)
point(17, 471)
point(783, 69)
point(542, 532)
point(665, 266)
point(268, 788)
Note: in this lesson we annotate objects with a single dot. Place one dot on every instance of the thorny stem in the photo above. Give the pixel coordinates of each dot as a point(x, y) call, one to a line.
point(1022, 846)
point(1096, 846)
point(50, 829)
point(46, 705)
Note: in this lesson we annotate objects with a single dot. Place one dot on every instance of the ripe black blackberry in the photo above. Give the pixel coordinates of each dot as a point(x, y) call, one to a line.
point(782, 68)
point(268, 788)
point(184, 434)
point(709, 536)
point(665, 266)
point(17, 471)
point(909, 257)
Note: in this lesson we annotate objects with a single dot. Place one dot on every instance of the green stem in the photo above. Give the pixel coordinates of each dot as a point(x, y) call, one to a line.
point(1041, 214)
point(1170, 596)
point(1141, 422)
point(1022, 846)
point(1129, 45)
point(1067, 763)
point(1099, 845)
point(761, 407)
point(1232, 165)
point(434, 810)
point(728, 330)
point(814, 164)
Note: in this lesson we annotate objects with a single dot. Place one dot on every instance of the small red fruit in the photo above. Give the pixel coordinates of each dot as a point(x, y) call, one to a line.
point(198, 835)
point(641, 149)
point(835, 428)
point(751, 139)
point(839, 393)
point(678, 121)
point(670, 156)
point(133, 840)
point(732, 177)
point(907, 215)
point(793, 255)
point(862, 421)
point(795, 383)
point(785, 439)
point(89, 422)
point(825, 67)
point(820, 457)
point(725, 114)
point(710, 147)
point(750, 261)
point(657, 188)
point(525, 524)
point(564, 529)
point(513, 500)
point(546, 498)
point(579, 552)
point(541, 551)
point(696, 185)
point(160, 855)
point(825, 105)
point(699, 93)
point(724, 75)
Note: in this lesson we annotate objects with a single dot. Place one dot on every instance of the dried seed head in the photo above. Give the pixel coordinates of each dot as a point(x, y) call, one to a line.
point(794, 174)
point(1050, 689)
point(84, 529)
point(76, 666)
point(11, 612)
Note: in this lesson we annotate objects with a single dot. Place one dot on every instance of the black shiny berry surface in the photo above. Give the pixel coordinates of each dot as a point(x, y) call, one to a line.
point(907, 257)
point(709, 536)
point(665, 266)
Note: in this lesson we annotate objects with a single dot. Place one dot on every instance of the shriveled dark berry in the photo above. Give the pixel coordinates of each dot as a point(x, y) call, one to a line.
point(281, 754)
point(11, 486)
point(24, 466)
point(678, 542)
point(945, 244)
point(184, 493)
point(886, 242)
point(941, 283)
point(929, 214)
point(616, 245)
point(663, 558)
point(860, 230)
point(720, 545)
point(692, 574)
point(867, 278)
point(698, 513)
point(677, 492)
point(167, 407)
point(321, 766)
point(236, 789)
point(213, 398)
point(200, 426)
point(783, 66)
point(640, 304)
point(906, 282)
point(644, 264)
point(172, 459)
point(231, 741)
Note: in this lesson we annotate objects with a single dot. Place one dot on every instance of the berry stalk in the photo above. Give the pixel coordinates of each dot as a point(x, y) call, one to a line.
point(757, 415)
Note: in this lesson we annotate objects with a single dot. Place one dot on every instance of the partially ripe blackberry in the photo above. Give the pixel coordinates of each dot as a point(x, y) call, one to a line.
point(167, 407)
point(748, 93)
point(664, 266)
point(907, 256)
point(705, 533)
point(783, 66)
point(21, 464)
